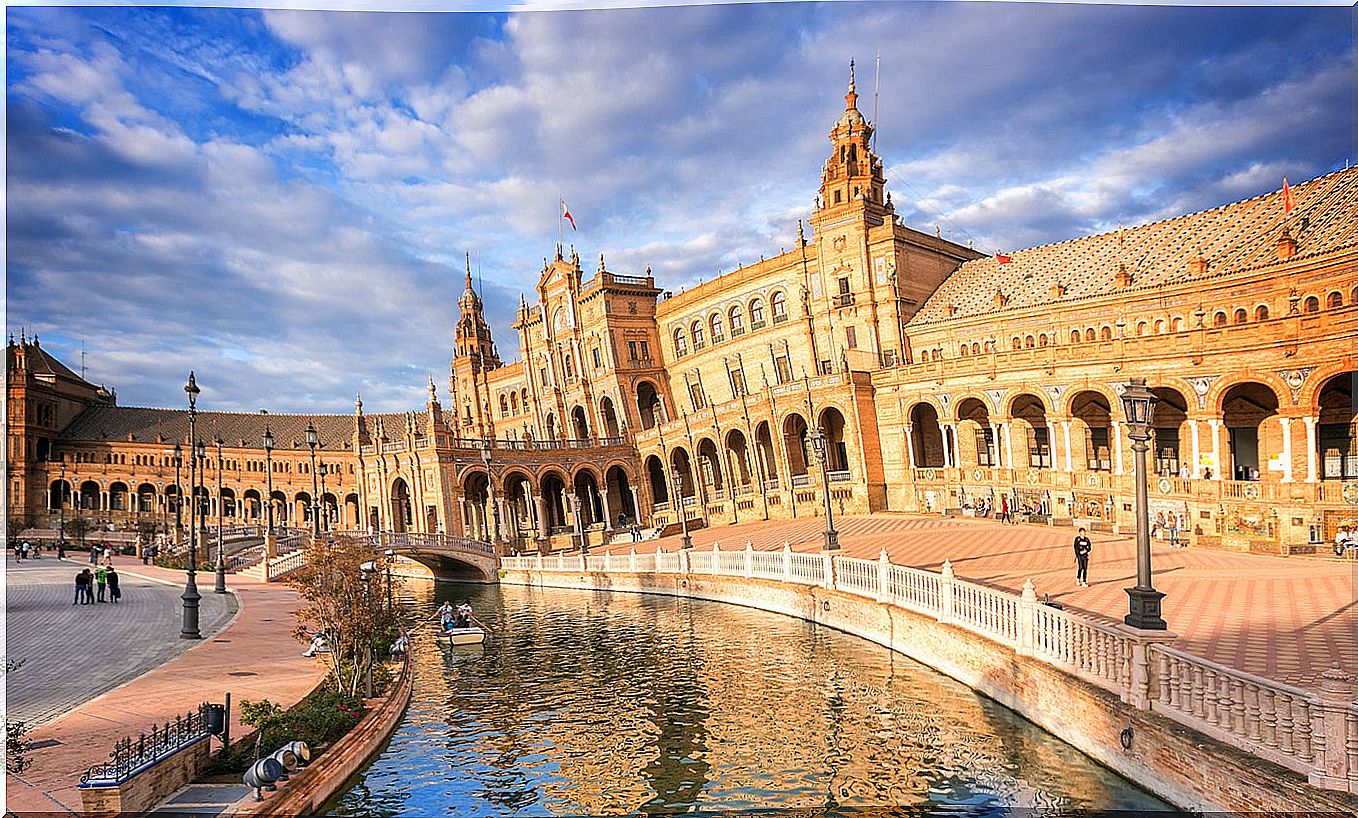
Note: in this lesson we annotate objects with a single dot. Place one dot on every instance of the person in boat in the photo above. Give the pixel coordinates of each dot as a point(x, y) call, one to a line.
point(445, 614)
point(464, 614)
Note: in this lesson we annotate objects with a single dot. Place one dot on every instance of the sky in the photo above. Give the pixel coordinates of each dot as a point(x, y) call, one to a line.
point(283, 200)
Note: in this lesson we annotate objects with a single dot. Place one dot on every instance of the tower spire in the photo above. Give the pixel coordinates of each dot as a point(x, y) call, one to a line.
point(469, 270)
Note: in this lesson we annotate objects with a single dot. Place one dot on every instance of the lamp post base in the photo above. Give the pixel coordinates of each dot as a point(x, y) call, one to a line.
point(1143, 609)
point(687, 540)
point(220, 587)
point(189, 630)
point(831, 539)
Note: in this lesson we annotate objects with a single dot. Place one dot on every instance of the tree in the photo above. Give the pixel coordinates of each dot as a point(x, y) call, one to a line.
point(351, 613)
point(17, 745)
point(78, 527)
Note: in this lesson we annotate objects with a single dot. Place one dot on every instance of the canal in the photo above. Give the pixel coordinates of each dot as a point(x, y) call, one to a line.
point(585, 703)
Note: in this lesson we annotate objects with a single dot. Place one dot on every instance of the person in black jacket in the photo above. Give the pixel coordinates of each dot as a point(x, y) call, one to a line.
point(1082, 548)
point(115, 592)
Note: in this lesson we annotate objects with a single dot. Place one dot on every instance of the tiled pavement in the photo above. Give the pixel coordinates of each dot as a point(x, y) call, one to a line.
point(72, 653)
point(1284, 618)
point(254, 657)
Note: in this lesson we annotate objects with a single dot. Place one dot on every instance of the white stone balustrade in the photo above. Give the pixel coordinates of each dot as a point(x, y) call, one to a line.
point(1313, 733)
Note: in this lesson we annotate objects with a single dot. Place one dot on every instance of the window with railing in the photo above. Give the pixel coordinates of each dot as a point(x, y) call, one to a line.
point(778, 305)
point(985, 441)
point(1097, 449)
point(1039, 448)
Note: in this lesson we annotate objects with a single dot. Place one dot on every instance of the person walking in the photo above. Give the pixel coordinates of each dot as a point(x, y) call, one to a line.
point(115, 591)
point(1004, 508)
point(636, 531)
point(1173, 525)
point(101, 579)
point(1082, 548)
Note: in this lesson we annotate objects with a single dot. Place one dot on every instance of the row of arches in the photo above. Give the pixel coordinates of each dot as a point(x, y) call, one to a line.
point(1248, 412)
point(714, 325)
point(246, 507)
point(579, 427)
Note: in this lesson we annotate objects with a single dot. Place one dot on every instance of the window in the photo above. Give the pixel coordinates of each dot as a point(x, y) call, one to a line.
point(1241, 316)
point(504, 407)
point(697, 331)
point(737, 322)
point(543, 375)
point(782, 370)
point(1312, 304)
point(645, 351)
point(737, 383)
point(984, 440)
point(570, 369)
point(1334, 299)
point(1261, 313)
point(1141, 328)
point(718, 328)
point(598, 359)
point(756, 314)
point(1075, 336)
point(1028, 342)
point(1089, 333)
point(844, 286)
point(778, 303)
point(851, 337)
point(1097, 451)
point(1176, 324)
point(964, 350)
point(695, 394)
point(838, 197)
point(1219, 320)
point(975, 349)
point(1017, 343)
point(680, 343)
point(824, 367)
point(631, 350)
point(1039, 447)
point(514, 402)
point(1042, 340)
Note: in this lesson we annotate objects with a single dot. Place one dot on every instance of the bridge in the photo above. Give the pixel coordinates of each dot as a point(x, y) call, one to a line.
point(450, 558)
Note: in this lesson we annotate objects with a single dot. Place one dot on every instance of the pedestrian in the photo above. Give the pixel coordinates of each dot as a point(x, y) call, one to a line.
point(1343, 540)
point(94, 554)
point(108, 554)
point(88, 587)
point(61, 549)
point(622, 519)
point(23, 550)
point(636, 532)
point(1173, 530)
point(1004, 508)
point(115, 591)
point(1082, 548)
point(82, 585)
point(101, 580)
point(1207, 473)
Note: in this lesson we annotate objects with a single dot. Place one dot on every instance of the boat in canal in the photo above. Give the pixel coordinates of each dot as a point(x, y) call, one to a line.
point(473, 635)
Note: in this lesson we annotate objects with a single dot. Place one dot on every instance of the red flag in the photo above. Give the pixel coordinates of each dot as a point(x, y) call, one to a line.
point(566, 213)
point(1002, 258)
point(1289, 201)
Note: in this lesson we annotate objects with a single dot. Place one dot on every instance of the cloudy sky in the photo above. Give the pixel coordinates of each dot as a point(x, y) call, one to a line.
point(282, 200)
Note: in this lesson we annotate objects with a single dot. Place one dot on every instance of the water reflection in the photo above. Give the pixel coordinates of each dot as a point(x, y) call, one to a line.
point(611, 704)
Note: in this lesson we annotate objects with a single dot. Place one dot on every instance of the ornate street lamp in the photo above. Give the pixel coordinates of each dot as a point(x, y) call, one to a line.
point(268, 470)
point(322, 469)
point(190, 597)
point(61, 508)
point(311, 440)
point(1138, 404)
point(490, 493)
point(831, 536)
point(220, 587)
point(365, 574)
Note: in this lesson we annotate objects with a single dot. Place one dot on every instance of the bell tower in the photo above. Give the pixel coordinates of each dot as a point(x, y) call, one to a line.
point(851, 181)
point(473, 356)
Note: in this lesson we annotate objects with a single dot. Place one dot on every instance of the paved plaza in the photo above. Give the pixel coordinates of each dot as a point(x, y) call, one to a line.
point(72, 653)
point(253, 657)
point(1284, 618)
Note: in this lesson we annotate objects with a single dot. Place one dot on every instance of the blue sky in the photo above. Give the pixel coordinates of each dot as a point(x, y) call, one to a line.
point(282, 200)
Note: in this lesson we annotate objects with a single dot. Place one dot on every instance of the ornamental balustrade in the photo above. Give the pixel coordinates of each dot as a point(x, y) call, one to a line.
point(1312, 733)
point(130, 756)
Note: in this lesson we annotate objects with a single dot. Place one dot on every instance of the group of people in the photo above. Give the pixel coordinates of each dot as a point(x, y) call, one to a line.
point(459, 616)
point(1345, 539)
point(634, 528)
point(27, 551)
point(103, 579)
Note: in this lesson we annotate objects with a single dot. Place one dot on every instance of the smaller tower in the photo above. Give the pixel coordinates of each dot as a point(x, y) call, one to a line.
point(473, 356)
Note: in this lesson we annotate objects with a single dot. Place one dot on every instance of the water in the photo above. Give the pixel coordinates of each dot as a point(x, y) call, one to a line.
point(585, 703)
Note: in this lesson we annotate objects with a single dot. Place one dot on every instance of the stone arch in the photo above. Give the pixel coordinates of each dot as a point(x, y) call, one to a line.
point(146, 498)
point(1336, 443)
point(716, 325)
point(351, 517)
point(227, 499)
point(682, 464)
point(738, 457)
point(1245, 408)
point(608, 418)
point(618, 494)
point(477, 515)
point(1261, 312)
point(757, 316)
point(551, 426)
point(735, 316)
point(647, 400)
point(831, 422)
point(655, 472)
point(1091, 413)
point(1028, 418)
point(926, 435)
point(1310, 304)
point(400, 515)
point(579, 424)
point(117, 496)
point(278, 501)
point(709, 465)
point(975, 435)
point(88, 497)
point(587, 498)
point(554, 501)
point(1170, 436)
point(765, 455)
point(516, 486)
point(796, 440)
point(59, 494)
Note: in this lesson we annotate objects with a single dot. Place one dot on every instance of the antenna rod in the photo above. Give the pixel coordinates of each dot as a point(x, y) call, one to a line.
point(876, 85)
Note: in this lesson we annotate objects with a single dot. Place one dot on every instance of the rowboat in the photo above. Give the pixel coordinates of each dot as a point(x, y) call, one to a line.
point(464, 636)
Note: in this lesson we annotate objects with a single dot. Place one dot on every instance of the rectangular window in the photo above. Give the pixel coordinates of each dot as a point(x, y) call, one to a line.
point(1097, 449)
point(1166, 452)
point(598, 360)
point(1039, 448)
point(844, 286)
point(645, 351)
point(782, 370)
point(695, 394)
point(984, 440)
point(825, 368)
point(631, 350)
point(543, 374)
point(851, 337)
point(737, 383)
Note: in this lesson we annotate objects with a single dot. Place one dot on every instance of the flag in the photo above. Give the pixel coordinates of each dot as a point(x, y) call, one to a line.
point(1289, 201)
point(566, 214)
point(1002, 258)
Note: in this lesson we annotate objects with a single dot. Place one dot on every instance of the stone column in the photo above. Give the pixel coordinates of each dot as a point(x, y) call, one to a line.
point(1311, 470)
point(1286, 423)
point(1051, 445)
point(636, 504)
point(1218, 466)
point(1336, 692)
point(540, 503)
point(1065, 431)
point(1117, 447)
point(1008, 445)
point(995, 441)
point(608, 514)
point(1196, 466)
point(947, 445)
point(909, 447)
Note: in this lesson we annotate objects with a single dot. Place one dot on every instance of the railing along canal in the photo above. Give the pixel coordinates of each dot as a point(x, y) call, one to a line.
point(1315, 734)
point(130, 757)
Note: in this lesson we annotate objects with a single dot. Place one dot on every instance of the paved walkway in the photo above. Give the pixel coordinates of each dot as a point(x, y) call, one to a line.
point(254, 658)
point(72, 653)
point(1285, 618)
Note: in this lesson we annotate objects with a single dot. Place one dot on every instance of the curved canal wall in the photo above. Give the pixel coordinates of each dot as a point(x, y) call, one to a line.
point(1119, 729)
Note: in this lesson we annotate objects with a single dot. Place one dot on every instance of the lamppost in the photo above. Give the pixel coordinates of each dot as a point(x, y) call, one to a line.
point(311, 440)
point(178, 494)
point(365, 574)
point(268, 471)
point(189, 630)
point(325, 512)
point(390, 555)
point(1138, 403)
point(658, 412)
point(220, 587)
point(831, 536)
point(200, 498)
point(61, 508)
point(490, 493)
point(579, 523)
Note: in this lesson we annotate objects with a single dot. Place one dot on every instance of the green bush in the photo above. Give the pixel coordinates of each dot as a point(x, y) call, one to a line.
point(319, 720)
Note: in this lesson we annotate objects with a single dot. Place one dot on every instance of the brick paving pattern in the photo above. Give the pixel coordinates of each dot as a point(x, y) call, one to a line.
point(254, 657)
point(1284, 618)
point(72, 653)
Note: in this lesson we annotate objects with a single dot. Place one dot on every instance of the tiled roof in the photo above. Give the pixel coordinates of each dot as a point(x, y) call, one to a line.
point(237, 430)
point(1231, 238)
point(40, 362)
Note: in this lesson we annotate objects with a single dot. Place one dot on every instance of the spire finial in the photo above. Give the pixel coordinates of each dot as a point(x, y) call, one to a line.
point(469, 270)
point(358, 402)
point(851, 82)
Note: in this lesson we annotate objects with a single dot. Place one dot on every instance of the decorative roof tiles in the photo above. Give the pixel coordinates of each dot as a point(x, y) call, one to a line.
point(237, 429)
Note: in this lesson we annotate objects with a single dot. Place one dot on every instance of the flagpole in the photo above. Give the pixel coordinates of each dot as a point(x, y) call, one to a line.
point(876, 86)
point(560, 217)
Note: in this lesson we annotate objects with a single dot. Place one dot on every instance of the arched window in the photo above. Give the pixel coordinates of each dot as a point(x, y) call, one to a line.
point(989, 346)
point(1334, 299)
point(718, 328)
point(737, 322)
point(1353, 296)
point(1261, 312)
point(1176, 324)
point(570, 367)
point(963, 349)
point(1042, 340)
point(778, 303)
point(1089, 334)
point(504, 407)
point(1018, 343)
point(756, 314)
point(1141, 327)
point(1241, 316)
point(1219, 320)
point(1312, 304)
point(975, 349)
point(1159, 326)
point(1106, 334)
point(680, 343)
point(1028, 341)
point(697, 331)
point(514, 402)
point(924, 356)
point(1075, 336)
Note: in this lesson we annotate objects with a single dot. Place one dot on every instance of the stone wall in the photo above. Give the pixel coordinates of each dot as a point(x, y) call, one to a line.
point(149, 787)
point(1181, 765)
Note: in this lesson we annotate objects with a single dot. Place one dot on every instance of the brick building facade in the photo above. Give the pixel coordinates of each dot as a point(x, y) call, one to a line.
point(940, 381)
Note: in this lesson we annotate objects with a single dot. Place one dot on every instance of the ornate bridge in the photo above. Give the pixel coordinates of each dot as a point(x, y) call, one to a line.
point(452, 558)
